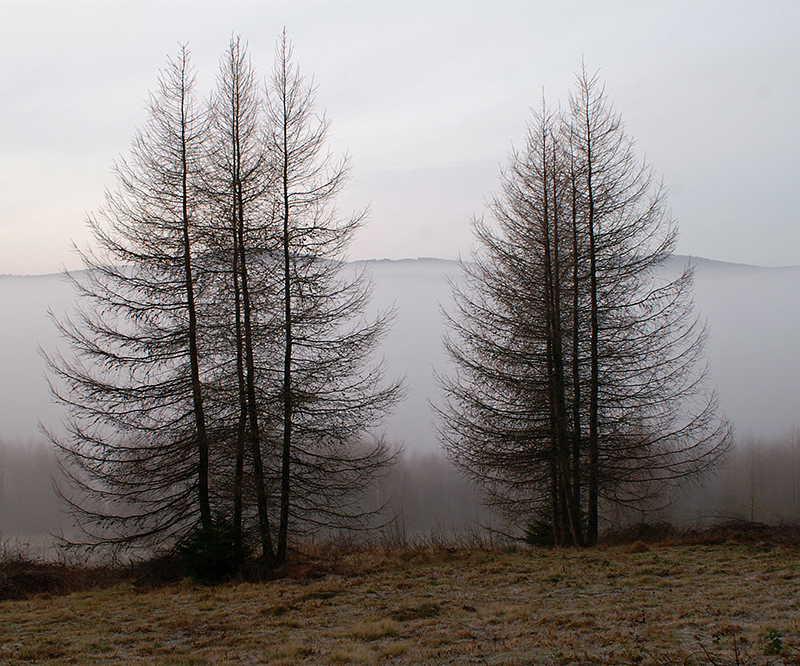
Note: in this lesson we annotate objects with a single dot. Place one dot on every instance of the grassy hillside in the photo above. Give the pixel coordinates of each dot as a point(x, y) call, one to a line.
point(684, 602)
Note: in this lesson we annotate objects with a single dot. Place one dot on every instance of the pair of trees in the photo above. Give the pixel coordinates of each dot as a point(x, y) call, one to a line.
point(222, 364)
point(579, 373)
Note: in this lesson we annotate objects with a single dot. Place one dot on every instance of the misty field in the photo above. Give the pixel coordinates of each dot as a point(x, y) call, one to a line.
point(727, 603)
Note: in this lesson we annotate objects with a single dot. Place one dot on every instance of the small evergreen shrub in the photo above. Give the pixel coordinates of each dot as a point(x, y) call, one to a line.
point(212, 555)
point(539, 531)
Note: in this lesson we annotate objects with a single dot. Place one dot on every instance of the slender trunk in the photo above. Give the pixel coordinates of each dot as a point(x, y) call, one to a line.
point(554, 493)
point(594, 454)
point(576, 378)
point(241, 427)
point(283, 530)
point(571, 511)
point(238, 482)
point(252, 407)
point(556, 514)
point(550, 350)
point(194, 362)
point(247, 428)
point(553, 347)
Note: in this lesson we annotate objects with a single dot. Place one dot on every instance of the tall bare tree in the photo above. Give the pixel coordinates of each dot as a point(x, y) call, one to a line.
point(240, 177)
point(330, 395)
point(137, 447)
point(223, 328)
point(580, 374)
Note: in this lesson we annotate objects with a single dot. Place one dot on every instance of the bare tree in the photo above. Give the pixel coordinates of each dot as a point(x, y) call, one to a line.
point(137, 449)
point(240, 176)
point(580, 375)
point(329, 394)
point(222, 327)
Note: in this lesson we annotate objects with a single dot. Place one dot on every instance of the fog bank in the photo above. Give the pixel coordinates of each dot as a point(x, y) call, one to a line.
point(753, 315)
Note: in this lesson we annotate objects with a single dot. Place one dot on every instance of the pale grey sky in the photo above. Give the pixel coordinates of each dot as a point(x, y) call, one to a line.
point(427, 98)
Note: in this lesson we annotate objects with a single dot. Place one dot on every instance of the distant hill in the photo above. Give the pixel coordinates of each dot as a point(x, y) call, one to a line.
point(753, 345)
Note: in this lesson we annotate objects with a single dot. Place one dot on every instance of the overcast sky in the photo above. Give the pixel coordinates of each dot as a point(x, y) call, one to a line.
point(427, 98)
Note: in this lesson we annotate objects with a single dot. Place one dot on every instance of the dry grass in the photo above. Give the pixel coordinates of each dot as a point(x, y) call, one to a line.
point(641, 603)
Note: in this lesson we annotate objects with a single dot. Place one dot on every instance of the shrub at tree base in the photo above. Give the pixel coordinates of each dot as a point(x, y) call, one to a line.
point(539, 531)
point(213, 555)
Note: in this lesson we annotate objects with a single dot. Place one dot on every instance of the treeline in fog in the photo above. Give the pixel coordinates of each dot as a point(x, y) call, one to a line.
point(422, 495)
point(760, 483)
point(29, 509)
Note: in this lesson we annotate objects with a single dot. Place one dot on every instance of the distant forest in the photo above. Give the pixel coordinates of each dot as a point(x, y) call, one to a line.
point(427, 497)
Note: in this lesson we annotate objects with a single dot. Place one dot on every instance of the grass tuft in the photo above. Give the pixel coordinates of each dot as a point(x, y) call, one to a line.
point(417, 612)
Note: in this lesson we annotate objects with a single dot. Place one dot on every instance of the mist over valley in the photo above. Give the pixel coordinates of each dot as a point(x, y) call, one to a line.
point(752, 313)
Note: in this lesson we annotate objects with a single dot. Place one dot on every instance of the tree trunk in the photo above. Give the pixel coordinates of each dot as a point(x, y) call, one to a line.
point(287, 366)
point(594, 381)
point(252, 407)
point(194, 361)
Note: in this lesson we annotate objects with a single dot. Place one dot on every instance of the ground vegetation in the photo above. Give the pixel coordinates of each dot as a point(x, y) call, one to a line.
point(720, 597)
